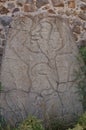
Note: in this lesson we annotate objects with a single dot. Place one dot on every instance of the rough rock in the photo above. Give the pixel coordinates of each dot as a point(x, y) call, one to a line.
point(3, 10)
point(11, 5)
point(5, 20)
point(71, 4)
point(58, 3)
point(84, 25)
point(28, 7)
point(83, 6)
point(76, 29)
point(21, 2)
point(84, 1)
point(41, 3)
point(37, 69)
point(82, 16)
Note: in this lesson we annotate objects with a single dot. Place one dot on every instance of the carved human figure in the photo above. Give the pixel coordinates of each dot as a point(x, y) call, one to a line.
point(37, 69)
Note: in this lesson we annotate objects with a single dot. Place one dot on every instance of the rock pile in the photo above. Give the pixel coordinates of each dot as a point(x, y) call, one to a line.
point(73, 10)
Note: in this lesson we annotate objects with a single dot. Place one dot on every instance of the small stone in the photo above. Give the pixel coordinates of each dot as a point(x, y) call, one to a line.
point(68, 13)
point(83, 35)
point(83, 1)
point(76, 21)
point(3, 10)
point(84, 25)
point(71, 4)
point(76, 29)
point(61, 12)
point(51, 11)
point(41, 3)
point(11, 5)
point(75, 36)
point(82, 16)
point(28, 8)
point(83, 6)
point(5, 20)
point(58, 3)
point(15, 10)
point(1, 28)
point(75, 13)
point(21, 2)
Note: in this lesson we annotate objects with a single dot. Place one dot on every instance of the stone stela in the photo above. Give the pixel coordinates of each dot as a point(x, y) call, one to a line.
point(38, 69)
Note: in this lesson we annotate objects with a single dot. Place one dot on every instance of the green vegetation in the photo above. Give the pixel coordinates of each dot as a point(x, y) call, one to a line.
point(81, 78)
point(82, 121)
point(77, 127)
point(32, 123)
point(81, 124)
point(83, 53)
point(2, 123)
point(56, 124)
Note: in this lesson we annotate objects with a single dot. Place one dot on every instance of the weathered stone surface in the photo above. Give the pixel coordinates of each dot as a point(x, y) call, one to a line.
point(75, 36)
point(83, 35)
point(76, 29)
point(41, 3)
point(59, 3)
point(29, 8)
point(21, 2)
point(82, 16)
point(37, 69)
point(83, 6)
point(3, 10)
point(84, 25)
point(11, 5)
point(84, 1)
point(71, 3)
point(5, 20)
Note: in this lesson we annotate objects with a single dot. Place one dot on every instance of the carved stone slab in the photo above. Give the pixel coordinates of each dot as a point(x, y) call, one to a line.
point(38, 69)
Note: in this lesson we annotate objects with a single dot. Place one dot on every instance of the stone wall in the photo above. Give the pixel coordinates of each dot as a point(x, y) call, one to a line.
point(73, 10)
